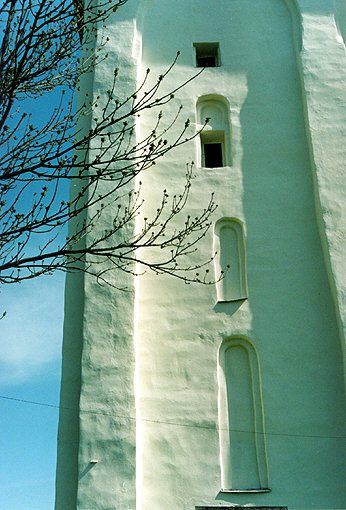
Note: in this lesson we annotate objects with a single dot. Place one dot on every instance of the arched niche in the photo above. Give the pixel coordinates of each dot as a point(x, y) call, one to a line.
point(215, 138)
point(242, 439)
point(230, 260)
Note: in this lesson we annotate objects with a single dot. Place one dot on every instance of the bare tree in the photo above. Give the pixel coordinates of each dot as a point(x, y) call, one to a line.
point(40, 59)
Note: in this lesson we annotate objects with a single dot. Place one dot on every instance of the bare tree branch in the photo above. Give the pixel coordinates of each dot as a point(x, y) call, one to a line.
point(40, 53)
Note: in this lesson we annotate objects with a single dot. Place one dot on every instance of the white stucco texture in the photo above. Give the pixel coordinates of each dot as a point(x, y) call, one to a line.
point(175, 383)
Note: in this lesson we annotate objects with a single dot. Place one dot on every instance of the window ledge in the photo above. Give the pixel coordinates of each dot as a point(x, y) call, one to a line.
point(244, 491)
point(214, 167)
point(233, 301)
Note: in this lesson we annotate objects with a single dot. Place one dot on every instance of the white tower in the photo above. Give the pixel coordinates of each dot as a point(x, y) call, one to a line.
point(186, 397)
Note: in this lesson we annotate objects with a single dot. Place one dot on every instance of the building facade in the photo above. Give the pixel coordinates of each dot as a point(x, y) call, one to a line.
point(185, 397)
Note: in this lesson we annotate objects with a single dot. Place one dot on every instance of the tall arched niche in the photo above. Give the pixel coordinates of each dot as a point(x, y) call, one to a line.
point(242, 440)
point(214, 150)
point(230, 260)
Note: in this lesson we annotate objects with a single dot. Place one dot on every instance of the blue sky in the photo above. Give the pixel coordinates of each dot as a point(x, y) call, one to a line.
point(30, 352)
point(30, 364)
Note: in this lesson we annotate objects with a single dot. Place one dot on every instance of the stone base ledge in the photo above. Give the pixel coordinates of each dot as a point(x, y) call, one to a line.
point(240, 507)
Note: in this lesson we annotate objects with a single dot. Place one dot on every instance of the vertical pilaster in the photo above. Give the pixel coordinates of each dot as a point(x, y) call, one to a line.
point(324, 73)
point(107, 401)
point(96, 452)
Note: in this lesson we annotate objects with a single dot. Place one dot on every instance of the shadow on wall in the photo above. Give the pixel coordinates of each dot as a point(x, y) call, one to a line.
point(293, 315)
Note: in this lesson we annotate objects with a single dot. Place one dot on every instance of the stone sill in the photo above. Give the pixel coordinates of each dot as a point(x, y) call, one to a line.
point(246, 491)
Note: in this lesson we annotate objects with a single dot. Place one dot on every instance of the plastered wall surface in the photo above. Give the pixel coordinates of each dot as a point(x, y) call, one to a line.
point(153, 353)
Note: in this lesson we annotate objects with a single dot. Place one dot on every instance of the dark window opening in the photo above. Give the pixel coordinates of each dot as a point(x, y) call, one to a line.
point(207, 54)
point(206, 61)
point(213, 155)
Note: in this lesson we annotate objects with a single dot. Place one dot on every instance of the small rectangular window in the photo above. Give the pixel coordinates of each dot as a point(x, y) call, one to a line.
point(213, 149)
point(207, 54)
point(213, 155)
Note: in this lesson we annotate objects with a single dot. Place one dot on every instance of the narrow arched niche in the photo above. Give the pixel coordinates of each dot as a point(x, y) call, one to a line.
point(242, 439)
point(230, 260)
point(215, 138)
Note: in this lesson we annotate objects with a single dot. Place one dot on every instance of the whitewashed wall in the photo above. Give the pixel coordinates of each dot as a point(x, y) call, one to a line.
point(156, 353)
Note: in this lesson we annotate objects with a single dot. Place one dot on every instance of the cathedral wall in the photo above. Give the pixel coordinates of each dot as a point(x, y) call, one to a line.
point(162, 365)
point(290, 314)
